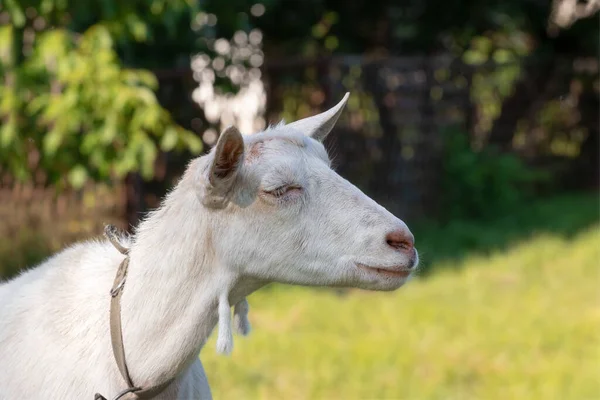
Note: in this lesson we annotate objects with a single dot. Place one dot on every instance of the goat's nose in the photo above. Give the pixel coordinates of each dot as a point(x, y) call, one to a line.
point(401, 240)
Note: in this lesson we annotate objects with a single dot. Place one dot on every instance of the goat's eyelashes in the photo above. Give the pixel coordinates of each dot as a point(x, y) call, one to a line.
point(283, 190)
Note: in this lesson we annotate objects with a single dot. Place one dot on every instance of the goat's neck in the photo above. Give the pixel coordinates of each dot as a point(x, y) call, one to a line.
point(170, 300)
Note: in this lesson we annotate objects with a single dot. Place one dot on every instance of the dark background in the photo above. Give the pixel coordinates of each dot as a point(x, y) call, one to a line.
point(460, 110)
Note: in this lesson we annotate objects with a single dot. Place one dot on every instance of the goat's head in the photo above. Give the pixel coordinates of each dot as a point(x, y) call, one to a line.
point(280, 213)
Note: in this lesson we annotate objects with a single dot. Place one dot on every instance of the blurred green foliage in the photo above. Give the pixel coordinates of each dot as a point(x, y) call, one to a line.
point(69, 109)
point(317, 27)
point(484, 183)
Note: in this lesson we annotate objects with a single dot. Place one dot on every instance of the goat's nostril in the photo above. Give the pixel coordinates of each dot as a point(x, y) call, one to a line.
point(400, 240)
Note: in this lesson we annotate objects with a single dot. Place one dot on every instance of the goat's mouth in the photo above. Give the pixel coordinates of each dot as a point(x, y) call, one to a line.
point(396, 272)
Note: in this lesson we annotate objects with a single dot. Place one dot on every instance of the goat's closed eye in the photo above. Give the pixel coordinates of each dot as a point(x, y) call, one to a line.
point(283, 190)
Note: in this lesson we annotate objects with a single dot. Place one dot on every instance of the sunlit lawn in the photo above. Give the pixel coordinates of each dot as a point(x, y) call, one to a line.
point(516, 315)
point(523, 323)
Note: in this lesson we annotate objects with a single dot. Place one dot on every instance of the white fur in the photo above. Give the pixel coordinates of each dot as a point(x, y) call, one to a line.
point(216, 238)
point(240, 317)
point(225, 338)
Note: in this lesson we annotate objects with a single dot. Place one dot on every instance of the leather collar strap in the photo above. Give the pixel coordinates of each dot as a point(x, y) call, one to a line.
point(116, 333)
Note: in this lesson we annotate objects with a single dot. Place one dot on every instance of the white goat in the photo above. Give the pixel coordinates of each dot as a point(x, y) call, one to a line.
point(256, 209)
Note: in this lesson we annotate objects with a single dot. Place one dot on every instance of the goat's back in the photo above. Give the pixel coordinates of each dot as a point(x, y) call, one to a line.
point(54, 325)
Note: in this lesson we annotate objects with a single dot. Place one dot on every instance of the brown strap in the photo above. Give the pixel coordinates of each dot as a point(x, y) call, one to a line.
point(116, 332)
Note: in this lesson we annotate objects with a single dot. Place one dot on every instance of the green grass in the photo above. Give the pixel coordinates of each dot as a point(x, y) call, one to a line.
point(516, 321)
point(504, 309)
point(565, 215)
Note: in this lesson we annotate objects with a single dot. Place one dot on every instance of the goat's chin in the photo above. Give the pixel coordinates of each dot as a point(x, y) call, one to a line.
point(348, 274)
point(376, 281)
point(382, 285)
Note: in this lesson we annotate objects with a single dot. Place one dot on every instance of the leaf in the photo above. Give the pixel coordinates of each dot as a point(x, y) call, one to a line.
point(146, 95)
point(473, 57)
point(52, 141)
point(46, 7)
point(7, 134)
point(193, 142)
point(146, 78)
point(78, 176)
point(38, 103)
point(137, 27)
point(109, 133)
point(148, 156)
point(91, 140)
point(16, 13)
point(169, 139)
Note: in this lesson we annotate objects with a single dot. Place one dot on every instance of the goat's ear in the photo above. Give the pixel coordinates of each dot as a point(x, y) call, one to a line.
point(319, 126)
point(226, 161)
point(227, 158)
